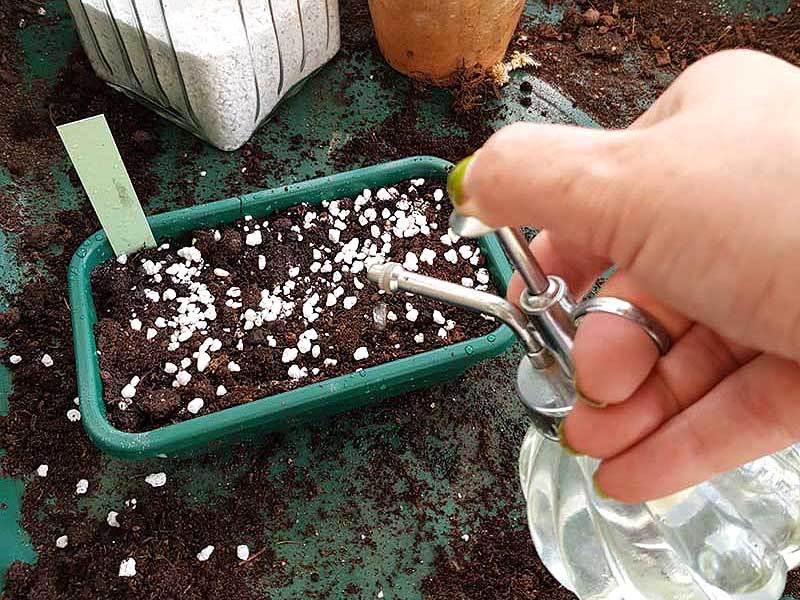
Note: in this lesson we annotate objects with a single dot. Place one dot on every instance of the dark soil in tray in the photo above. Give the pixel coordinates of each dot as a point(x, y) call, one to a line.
point(226, 316)
point(169, 527)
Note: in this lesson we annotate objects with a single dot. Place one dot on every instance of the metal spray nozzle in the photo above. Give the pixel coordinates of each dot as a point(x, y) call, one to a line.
point(545, 325)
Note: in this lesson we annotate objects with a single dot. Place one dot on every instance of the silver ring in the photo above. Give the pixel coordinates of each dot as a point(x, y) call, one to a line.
point(622, 308)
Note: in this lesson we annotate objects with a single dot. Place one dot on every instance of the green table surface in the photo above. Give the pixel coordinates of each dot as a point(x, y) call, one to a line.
point(317, 112)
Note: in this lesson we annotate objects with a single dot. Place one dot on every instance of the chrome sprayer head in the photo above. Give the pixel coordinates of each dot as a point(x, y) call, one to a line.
point(392, 277)
point(545, 300)
point(385, 276)
point(548, 397)
point(545, 325)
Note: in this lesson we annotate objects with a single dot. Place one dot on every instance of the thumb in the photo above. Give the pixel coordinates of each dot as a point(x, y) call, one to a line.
point(576, 182)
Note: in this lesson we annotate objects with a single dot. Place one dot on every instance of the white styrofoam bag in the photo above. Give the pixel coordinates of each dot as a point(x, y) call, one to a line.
point(218, 68)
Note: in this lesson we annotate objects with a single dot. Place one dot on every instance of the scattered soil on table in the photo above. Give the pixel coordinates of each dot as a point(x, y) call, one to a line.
point(473, 91)
point(22, 119)
point(497, 556)
point(168, 527)
point(583, 55)
point(163, 536)
point(80, 94)
point(339, 322)
point(29, 142)
point(403, 134)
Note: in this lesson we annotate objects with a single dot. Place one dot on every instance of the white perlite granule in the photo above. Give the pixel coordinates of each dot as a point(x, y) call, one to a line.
point(205, 553)
point(111, 518)
point(253, 238)
point(242, 552)
point(156, 479)
point(234, 61)
point(127, 568)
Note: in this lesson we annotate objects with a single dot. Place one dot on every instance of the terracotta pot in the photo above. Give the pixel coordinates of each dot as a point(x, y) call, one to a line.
point(431, 40)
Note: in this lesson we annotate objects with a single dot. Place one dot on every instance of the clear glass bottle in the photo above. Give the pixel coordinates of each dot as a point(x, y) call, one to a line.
point(734, 537)
point(431, 40)
point(215, 67)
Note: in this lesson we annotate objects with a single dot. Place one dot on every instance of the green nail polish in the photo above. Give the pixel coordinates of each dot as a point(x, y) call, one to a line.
point(562, 439)
point(600, 493)
point(455, 181)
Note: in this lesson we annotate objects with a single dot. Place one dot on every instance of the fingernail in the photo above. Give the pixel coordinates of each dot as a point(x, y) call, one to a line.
point(455, 182)
point(562, 439)
point(598, 492)
point(585, 399)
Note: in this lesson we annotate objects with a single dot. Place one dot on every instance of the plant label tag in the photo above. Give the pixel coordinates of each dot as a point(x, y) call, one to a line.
point(96, 158)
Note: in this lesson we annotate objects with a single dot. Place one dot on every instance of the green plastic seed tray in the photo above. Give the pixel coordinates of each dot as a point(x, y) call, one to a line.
point(286, 409)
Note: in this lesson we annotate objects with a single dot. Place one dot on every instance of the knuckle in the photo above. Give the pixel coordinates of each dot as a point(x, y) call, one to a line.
point(719, 73)
point(506, 141)
point(734, 58)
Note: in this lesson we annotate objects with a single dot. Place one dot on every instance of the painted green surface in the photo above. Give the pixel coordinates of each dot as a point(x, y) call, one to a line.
point(5, 391)
point(336, 451)
point(15, 542)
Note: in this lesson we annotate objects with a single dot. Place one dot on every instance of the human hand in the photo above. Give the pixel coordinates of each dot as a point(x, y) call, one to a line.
point(698, 205)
